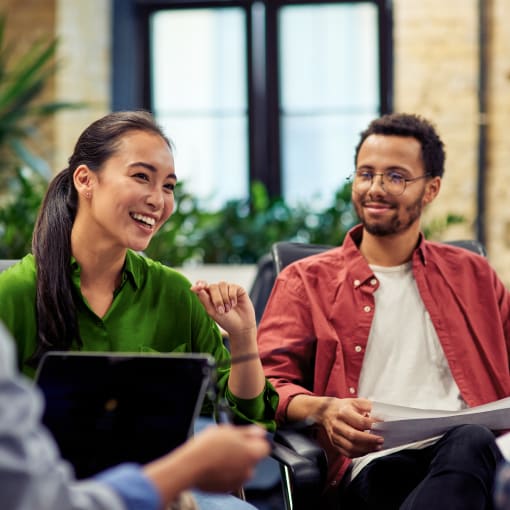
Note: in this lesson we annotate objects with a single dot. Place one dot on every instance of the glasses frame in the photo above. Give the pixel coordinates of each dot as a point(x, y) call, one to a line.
point(353, 176)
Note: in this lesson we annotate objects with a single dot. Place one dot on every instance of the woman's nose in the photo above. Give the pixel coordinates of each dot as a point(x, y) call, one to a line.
point(156, 199)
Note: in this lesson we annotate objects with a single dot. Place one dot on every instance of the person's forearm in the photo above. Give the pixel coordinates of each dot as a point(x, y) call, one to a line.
point(174, 473)
point(304, 407)
point(246, 379)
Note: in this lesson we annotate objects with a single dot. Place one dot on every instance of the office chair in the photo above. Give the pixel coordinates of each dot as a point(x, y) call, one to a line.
point(304, 491)
point(262, 284)
point(286, 252)
point(469, 244)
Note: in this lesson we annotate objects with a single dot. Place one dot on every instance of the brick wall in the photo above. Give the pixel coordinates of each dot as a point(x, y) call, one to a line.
point(83, 27)
point(498, 170)
point(436, 75)
point(436, 70)
point(28, 21)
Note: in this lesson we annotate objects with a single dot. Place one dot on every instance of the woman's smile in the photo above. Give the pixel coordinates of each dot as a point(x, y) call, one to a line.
point(145, 221)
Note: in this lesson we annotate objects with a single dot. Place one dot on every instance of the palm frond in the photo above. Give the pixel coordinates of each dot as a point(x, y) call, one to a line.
point(23, 81)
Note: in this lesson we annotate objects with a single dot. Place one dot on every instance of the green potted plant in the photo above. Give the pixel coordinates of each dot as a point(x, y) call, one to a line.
point(24, 174)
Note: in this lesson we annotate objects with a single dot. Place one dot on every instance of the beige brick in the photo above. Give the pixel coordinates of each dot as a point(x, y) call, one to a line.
point(85, 74)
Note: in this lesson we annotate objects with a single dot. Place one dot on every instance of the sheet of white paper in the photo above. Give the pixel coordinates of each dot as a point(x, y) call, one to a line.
point(504, 445)
point(403, 425)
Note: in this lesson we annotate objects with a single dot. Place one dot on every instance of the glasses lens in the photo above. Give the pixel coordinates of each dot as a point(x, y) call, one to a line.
point(394, 185)
point(361, 181)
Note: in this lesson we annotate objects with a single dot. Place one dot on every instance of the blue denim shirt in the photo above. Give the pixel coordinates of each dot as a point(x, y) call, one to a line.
point(32, 473)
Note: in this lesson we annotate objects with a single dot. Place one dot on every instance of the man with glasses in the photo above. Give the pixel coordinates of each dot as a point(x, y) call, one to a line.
point(391, 317)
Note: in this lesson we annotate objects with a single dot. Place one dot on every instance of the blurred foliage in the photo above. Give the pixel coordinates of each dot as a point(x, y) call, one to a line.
point(437, 226)
point(19, 212)
point(24, 174)
point(243, 230)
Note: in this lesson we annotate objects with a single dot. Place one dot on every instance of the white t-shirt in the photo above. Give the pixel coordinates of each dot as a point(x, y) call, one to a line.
point(404, 363)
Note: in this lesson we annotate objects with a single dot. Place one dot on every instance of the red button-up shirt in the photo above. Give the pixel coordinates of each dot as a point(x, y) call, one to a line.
point(315, 328)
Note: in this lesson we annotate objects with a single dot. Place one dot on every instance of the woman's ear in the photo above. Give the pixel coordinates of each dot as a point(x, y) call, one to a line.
point(84, 180)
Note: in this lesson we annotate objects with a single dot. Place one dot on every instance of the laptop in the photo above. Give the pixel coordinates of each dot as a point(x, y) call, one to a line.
point(108, 408)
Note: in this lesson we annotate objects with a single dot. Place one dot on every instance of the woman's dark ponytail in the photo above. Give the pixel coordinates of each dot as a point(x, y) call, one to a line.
point(57, 325)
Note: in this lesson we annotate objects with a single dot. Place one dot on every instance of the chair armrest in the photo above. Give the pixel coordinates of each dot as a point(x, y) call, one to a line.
point(299, 442)
point(301, 478)
point(303, 468)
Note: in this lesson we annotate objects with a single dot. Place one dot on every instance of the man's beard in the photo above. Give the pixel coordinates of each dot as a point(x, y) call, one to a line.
point(396, 223)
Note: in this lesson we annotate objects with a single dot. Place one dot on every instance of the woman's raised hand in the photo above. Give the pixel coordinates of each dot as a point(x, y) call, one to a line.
point(228, 304)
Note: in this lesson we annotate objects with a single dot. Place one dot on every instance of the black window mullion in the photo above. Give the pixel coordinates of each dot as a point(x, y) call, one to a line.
point(146, 64)
point(385, 55)
point(273, 182)
point(128, 55)
point(263, 97)
point(257, 114)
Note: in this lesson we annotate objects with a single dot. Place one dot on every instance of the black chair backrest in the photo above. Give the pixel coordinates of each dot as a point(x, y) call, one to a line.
point(262, 284)
point(286, 252)
point(471, 245)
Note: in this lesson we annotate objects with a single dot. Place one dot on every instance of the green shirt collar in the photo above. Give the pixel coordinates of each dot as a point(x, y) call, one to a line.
point(131, 271)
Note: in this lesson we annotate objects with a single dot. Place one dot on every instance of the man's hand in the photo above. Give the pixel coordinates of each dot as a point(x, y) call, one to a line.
point(347, 421)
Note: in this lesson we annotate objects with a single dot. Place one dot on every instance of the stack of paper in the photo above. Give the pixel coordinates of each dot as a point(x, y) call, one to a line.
point(402, 425)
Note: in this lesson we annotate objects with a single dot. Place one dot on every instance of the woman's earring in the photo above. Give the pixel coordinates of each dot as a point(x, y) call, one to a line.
point(87, 194)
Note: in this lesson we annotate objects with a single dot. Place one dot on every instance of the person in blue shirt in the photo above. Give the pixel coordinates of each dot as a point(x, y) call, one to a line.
point(33, 475)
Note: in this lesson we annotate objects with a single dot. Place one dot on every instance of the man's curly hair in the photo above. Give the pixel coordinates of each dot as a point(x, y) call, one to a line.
point(412, 126)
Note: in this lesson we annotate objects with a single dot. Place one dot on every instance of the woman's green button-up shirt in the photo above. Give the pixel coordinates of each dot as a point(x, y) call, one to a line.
point(153, 310)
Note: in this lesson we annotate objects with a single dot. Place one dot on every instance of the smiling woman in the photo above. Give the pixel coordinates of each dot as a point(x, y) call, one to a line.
point(86, 287)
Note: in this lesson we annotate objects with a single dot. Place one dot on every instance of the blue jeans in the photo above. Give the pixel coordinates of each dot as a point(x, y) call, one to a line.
point(207, 501)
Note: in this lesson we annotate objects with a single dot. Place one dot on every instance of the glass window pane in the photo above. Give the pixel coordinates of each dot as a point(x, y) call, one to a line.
point(329, 75)
point(318, 155)
point(199, 96)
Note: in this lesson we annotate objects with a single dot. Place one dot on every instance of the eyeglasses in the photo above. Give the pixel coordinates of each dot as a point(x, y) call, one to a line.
point(393, 183)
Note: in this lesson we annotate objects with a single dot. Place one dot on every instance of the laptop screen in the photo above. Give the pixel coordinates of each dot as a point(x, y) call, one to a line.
point(105, 408)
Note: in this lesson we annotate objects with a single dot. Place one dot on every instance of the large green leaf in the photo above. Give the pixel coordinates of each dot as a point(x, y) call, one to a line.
point(23, 79)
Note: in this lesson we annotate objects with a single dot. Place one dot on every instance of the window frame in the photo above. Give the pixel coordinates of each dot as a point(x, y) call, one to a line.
point(131, 87)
